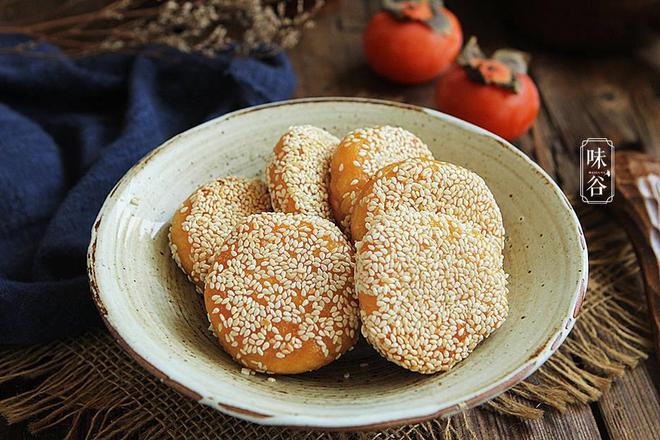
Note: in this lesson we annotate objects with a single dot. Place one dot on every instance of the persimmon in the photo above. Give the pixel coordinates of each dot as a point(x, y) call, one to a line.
point(494, 93)
point(412, 42)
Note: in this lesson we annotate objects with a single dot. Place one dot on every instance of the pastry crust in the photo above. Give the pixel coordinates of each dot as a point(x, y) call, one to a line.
point(430, 289)
point(298, 174)
point(280, 297)
point(428, 185)
point(359, 155)
point(204, 220)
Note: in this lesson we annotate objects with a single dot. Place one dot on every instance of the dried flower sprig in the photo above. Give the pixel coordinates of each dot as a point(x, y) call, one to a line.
point(205, 26)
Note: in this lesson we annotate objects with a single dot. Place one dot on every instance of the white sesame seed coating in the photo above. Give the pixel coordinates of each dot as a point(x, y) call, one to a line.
point(430, 289)
point(298, 174)
point(428, 185)
point(359, 155)
point(281, 293)
point(201, 224)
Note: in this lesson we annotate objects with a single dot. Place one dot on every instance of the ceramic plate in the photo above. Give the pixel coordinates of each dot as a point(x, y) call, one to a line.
point(158, 318)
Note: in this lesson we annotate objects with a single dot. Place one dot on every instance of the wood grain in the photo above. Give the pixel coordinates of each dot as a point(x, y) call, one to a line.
point(638, 202)
point(645, 99)
point(567, 89)
point(625, 410)
point(631, 408)
point(576, 423)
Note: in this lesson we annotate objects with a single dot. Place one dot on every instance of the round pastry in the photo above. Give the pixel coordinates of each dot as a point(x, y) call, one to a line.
point(428, 185)
point(430, 289)
point(280, 296)
point(298, 174)
point(201, 224)
point(357, 158)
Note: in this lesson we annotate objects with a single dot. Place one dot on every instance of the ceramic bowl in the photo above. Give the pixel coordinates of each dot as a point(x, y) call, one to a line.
point(155, 314)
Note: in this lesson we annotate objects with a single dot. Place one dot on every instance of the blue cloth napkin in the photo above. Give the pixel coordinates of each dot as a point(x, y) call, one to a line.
point(69, 130)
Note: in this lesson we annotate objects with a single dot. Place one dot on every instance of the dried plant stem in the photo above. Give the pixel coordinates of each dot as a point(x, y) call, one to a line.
point(208, 27)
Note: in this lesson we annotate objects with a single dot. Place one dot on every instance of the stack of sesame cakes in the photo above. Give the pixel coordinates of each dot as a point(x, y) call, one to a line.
point(369, 232)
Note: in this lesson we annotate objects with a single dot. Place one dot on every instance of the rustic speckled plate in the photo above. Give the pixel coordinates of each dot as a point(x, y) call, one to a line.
point(158, 318)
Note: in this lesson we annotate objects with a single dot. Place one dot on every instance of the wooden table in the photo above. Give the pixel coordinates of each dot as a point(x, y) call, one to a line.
point(609, 96)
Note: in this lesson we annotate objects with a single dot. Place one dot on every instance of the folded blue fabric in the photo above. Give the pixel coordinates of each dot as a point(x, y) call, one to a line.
point(69, 129)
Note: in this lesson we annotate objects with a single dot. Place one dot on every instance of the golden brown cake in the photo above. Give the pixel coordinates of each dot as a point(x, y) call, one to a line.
point(430, 289)
point(359, 155)
point(428, 185)
point(298, 174)
point(280, 296)
point(201, 224)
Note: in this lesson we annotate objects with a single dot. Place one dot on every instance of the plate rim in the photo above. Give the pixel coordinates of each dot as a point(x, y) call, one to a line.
point(298, 421)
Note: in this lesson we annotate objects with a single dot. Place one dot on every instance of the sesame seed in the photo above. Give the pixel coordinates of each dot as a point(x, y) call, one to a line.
point(295, 273)
point(298, 173)
point(208, 216)
point(364, 152)
point(456, 279)
point(429, 185)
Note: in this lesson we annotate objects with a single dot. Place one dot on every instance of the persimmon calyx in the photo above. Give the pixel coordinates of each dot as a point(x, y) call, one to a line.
point(500, 70)
point(428, 12)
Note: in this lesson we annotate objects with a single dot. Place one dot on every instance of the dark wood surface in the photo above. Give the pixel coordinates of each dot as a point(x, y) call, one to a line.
point(638, 203)
point(614, 96)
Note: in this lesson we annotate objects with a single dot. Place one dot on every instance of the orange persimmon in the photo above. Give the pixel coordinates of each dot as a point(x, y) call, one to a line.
point(495, 94)
point(412, 42)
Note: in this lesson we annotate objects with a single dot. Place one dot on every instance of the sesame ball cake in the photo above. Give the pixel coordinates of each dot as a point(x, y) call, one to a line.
point(280, 296)
point(205, 219)
point(428, 185)
point(430, 288)
point(359, 155)
point(298, 174)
